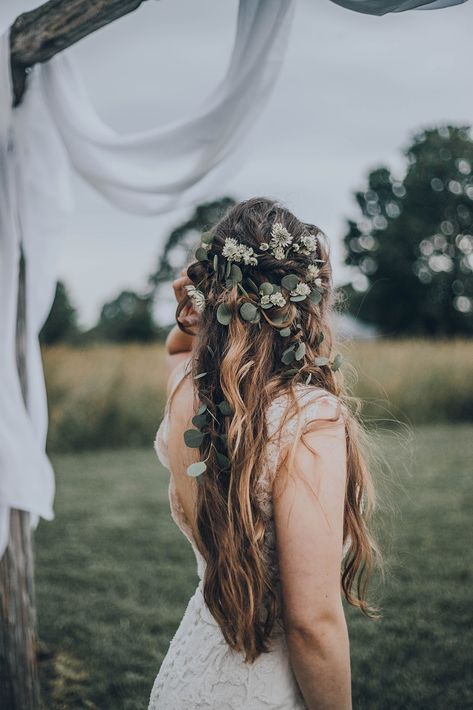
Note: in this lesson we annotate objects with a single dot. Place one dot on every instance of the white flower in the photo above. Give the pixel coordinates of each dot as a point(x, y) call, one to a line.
point(207, 247)
point(309, 242)
point(318, 282)
point(265, 300)
point(197, 298)
point(312, 272)
point(279, 253)
point(302, 289)
point(231, 249)
point(234, 251)
point(296, 246)
point(248, 255)
point(277, 299)
point(264, 246)
point(280, 237)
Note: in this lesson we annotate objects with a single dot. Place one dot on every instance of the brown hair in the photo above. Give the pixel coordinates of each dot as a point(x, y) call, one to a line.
point(244, 367)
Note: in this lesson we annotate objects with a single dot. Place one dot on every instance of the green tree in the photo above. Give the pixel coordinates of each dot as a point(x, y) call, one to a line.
point(412, 249)
point(127, 318)
point(61, 324)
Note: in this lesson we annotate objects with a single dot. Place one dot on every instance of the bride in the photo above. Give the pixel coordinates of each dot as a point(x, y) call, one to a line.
point(267, 476)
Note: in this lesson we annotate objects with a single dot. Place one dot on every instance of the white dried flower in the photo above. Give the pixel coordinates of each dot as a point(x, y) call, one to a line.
point(264, 246)
point(280, 237)
point(248, 255)
point(265, 300)
point(296, 246)
point(318, 282)
point(277, 299)
point(197, 298)
point(309, 242)
point(231, 249)
point(312, 272)
point(302, 289)
point(279, 253)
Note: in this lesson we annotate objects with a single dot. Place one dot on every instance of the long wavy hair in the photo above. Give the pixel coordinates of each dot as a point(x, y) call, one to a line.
point(243, 366)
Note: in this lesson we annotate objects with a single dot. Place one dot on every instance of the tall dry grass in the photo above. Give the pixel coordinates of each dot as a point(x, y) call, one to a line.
point(104, 396)
point(113, 395)
point(414, 380)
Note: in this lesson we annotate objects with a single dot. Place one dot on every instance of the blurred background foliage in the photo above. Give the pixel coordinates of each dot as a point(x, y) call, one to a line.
point(412, 249)
point(409, 298)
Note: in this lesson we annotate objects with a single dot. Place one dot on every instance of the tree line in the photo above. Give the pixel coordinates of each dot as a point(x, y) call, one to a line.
point(409, 252)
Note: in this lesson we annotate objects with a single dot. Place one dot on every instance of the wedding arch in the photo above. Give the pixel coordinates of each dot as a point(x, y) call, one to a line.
point(49, 127)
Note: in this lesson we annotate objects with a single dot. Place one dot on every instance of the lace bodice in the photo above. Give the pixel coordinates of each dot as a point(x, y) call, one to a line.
point(314, 403)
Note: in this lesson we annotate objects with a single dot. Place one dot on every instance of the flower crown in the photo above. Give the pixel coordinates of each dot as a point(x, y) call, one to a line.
point(269, 295)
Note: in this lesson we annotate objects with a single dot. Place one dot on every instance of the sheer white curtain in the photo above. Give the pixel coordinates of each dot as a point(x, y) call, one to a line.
point(147, 173)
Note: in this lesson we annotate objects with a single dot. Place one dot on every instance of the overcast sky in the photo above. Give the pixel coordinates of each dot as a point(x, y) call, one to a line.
point(353, 89)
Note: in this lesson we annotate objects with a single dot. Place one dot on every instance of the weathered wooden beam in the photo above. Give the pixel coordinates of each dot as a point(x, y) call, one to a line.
point(19, 686)
point(38, 35)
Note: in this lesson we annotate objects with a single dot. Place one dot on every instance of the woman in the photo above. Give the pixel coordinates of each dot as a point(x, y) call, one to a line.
point(268, 481)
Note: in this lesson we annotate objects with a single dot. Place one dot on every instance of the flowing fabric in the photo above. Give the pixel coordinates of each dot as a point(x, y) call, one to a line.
point(147, 173)
point(382, 7)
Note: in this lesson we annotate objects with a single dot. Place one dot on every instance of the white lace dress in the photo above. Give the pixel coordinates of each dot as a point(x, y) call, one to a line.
point(200, 671)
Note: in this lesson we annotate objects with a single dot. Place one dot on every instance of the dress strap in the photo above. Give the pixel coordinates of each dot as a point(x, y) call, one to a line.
point(178, 375)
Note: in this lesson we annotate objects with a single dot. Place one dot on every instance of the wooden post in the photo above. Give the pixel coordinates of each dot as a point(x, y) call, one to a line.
point(19, 686)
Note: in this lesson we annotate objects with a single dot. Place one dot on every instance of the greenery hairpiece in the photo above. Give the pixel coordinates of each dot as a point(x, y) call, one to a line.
point(292, 288)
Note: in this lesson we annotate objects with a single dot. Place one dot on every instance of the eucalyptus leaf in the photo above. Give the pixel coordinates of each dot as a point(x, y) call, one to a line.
point(223, 437)
point(337, 362)
point(193, 438)
point(201, 374)
point(300, 351)
point(225, 408)
point(288, 355)
point(236, 273)
point(299, 297)
point(248, 311)
point(266, 289)
point(228, 268)
point(200, 420)
point(224, 314)
point(285, 332)
point(240, 288)
point(251, 284)
point(207, 238)
point(277, 320)
point(320, 338)
point(290, 373)
point(215, 262)
point(308, 379)
point(223, 461)
point(202, 409)
point(290, 281)
point(201, 254)
point(196, 469)
point(266, 306)
point(321, 361)
point(315, 296)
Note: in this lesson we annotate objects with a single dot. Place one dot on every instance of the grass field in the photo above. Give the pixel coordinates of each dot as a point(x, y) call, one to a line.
point(112, 395)
point(114, 575)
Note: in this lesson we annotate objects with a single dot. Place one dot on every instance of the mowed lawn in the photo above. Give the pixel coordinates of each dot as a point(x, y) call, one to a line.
point(114, 575)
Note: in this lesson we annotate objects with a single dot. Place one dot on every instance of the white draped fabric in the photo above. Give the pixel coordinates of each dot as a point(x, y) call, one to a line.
point(147, 173)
